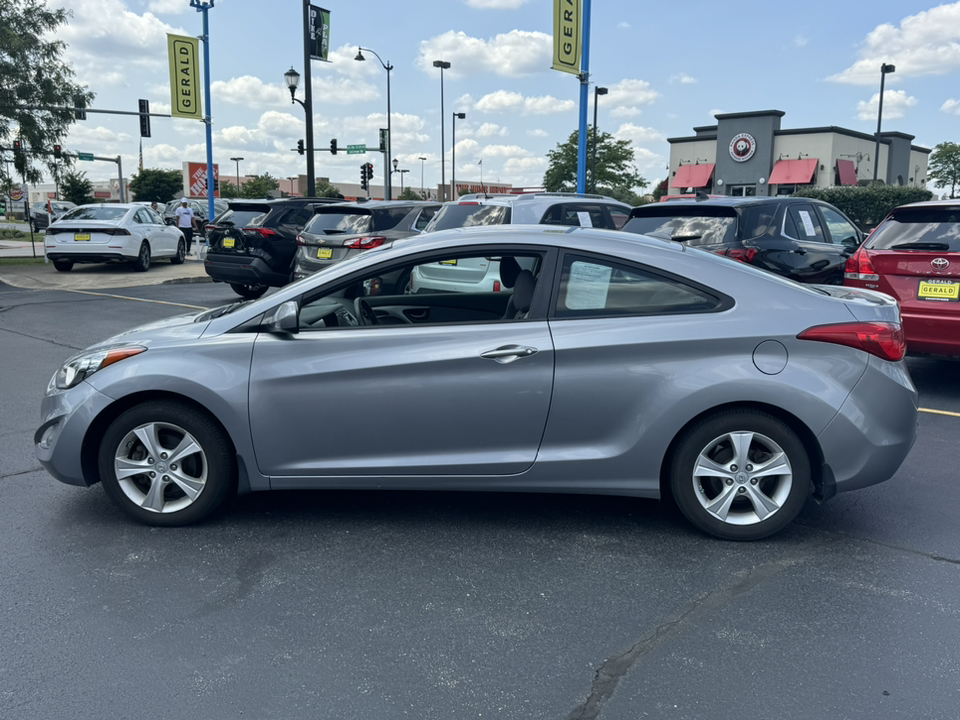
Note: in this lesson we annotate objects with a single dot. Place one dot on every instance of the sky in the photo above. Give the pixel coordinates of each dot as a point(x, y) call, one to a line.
point(668, 67)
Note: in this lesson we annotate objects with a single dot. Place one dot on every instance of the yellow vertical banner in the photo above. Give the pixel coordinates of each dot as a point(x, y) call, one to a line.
point(184, 56)
point(567, 33)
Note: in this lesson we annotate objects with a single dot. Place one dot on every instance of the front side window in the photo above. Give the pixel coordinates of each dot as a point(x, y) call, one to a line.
point(842, 232)
point(592, 287)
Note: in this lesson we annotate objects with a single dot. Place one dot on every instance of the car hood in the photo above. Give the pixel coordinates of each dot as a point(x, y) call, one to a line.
point(169, 330)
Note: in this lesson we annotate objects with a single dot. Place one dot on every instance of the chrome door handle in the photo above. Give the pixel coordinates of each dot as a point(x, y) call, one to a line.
point(509, 353)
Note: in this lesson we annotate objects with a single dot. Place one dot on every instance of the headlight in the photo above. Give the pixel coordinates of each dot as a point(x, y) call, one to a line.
point(80, 367)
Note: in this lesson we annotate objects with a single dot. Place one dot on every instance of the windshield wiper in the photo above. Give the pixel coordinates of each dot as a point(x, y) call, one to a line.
point(921, 246)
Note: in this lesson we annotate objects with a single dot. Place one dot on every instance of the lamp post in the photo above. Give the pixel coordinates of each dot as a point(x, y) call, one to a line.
point(421, 159)
point(443, 65)
point(597, 91)
point(453, 150)
point(293, 80)
point(387, 182)
point(203, 6)
point(237, 161)
point(401, 171)
point(884, 69)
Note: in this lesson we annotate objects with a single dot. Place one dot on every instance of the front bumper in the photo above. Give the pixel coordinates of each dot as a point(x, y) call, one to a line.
point(59, 441)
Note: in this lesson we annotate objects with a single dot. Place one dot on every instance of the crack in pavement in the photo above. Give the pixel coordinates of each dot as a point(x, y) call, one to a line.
point(22, 472)
point(612, 670)
point(41, 339)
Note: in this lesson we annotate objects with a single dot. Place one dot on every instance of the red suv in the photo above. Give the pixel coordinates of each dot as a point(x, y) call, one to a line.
point(914, 255)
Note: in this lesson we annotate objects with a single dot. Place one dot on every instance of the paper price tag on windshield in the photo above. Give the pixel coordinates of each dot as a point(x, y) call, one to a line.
point(585, 220)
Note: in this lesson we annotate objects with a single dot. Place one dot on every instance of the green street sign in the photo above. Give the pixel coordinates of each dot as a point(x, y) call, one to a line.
point(356, 149)
point(85, 156)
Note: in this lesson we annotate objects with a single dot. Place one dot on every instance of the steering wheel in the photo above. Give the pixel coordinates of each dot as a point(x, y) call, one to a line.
point(365, 313)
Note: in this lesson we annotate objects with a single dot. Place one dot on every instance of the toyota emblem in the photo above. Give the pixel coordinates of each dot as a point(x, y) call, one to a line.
point(940, 263)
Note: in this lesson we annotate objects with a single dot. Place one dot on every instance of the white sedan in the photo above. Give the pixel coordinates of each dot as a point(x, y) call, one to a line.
point(113, 232)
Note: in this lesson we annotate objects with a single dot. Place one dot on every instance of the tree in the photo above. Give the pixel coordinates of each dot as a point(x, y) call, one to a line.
point(154, 184)
point(615, 174)
point(75, 187)
point(327, 190)
point(228, 189)
point(661, 189)
point(34, 76)
point(259, 186)
point(410, 194)
point(944, 166)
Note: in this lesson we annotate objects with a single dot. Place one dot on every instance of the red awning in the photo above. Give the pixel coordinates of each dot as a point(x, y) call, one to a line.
point(793, 172)
point(847, 172)
point(693, 176)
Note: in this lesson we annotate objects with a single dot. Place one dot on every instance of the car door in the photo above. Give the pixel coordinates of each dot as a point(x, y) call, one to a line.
point(144, 227)
point(451, 398)
point(815, 258)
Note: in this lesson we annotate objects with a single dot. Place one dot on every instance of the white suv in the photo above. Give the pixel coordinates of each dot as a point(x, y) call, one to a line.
point(483, 274)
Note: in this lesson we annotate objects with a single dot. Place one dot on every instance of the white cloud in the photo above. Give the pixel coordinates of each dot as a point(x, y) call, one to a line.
point(496, 4)
point(512, 54)
point(488, 129)
point(626, 112)
point(895, 103)
point(637, 134)
point(503, 100)
point(683, 79)
point(538, 132)
point(951, 106)
point(464, 103)
point(168, 7)
point(927, 43)
point(624, 24)
point(624, 97)
point(800, 41)
point(508, 151)
point(252, 92)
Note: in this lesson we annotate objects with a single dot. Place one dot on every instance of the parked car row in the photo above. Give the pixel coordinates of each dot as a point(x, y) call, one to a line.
point(43, 214)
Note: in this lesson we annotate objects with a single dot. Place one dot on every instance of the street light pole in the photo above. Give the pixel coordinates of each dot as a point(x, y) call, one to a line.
point(422, 194)
point(884, 69)
point(293, 80)
point(387, 181)
point(237, 161)
point(203, 6)
point(402, 171)
point(453, 159)
point(593, 165)
point(443, 65)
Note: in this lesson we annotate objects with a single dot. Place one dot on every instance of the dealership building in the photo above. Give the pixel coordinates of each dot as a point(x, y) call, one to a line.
point(749, 153)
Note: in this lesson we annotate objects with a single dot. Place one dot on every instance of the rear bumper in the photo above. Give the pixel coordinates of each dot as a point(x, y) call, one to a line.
point(928, 333)
point(243, 270)
point(90, 257)
point(870, 437)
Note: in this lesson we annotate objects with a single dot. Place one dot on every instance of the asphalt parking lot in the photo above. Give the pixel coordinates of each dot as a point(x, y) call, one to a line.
point(441, 605)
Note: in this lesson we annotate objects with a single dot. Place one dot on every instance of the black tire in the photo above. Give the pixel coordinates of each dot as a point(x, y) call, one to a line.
point(181, 253)
point(251, 292)
point(63, 265)
point(210, 471)
point(142, 263)
point(742, 501)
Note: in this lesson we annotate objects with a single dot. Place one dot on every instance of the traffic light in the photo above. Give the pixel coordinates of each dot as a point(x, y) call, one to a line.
point(144, 118)
point(363, 176)
point(57, 151)
point(333, 146)
point(300, 148)
point(17, 148)
point(369, 171)
point(80, 108)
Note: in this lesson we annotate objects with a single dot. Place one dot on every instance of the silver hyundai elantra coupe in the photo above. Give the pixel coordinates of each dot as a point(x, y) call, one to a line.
point(605, 363)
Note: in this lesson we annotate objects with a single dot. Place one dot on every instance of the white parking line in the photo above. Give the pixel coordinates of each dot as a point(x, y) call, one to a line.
point(127, 297)
point(939, 412)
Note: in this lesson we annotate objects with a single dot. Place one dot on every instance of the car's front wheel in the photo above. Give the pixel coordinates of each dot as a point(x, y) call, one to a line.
point(251, 292)
point(165, 463)
point(740, 475)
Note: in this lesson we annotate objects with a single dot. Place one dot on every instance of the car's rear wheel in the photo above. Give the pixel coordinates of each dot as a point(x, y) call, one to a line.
point(165, 463)
point(63, 265)
point(181, 254)
point(251, 292)
point(740, 475)
point(142, 263)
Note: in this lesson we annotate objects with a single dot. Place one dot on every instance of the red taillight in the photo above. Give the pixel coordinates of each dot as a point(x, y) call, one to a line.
point(300, 240)
point(883, 339)
point(262, 232)
point(468, 202)
point(365, 243)
point(209, 228)
point(496, 286)
point(859, 267)
point(744, 255)
point(117, 231)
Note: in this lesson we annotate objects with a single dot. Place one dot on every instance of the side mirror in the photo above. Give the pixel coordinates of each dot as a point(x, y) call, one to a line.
point(284, 320)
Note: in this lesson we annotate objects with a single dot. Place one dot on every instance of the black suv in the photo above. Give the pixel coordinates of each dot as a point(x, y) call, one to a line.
point(253, 243)
point(803, 239)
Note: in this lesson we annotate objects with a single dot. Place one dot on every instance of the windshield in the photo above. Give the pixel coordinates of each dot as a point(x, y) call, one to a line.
point(936, 229)
point(468, 215)
point(96, 212)
point(690, 229)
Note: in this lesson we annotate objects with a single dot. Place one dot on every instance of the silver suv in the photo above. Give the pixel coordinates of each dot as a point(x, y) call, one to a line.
point(483, 274)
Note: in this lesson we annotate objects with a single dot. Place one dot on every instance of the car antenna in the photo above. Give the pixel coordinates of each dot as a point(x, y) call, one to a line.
point(702, 195)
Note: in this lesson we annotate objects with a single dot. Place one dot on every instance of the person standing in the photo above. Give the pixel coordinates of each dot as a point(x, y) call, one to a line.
point(185, 222)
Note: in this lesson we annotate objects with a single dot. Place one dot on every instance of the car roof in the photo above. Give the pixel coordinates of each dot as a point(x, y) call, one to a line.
point(520, 197)
point(731, 201)
point(385, 203)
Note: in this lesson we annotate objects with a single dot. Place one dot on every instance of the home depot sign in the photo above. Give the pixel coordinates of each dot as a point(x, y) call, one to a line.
point(195, 180)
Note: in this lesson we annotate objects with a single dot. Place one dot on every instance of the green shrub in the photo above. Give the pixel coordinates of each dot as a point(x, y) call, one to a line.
point(867, 206)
